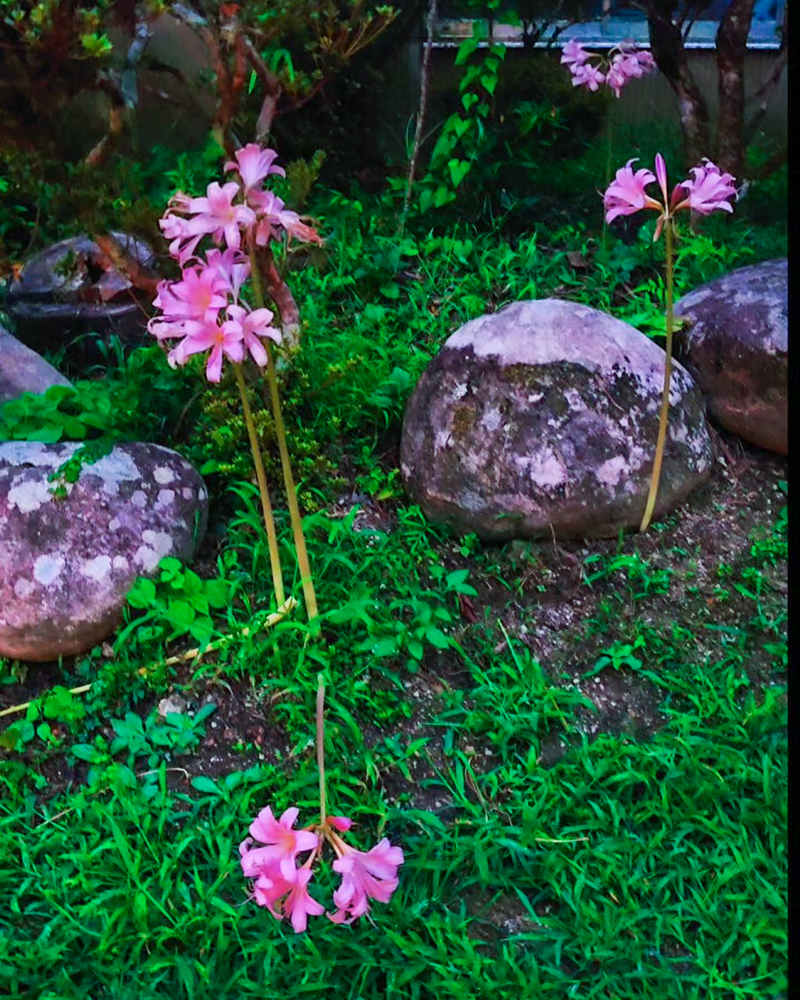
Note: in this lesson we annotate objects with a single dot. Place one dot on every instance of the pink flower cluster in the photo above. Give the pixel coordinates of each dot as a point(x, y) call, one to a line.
point(706, 192)
point(627, 63)
point(282, 886)
point(203, 311)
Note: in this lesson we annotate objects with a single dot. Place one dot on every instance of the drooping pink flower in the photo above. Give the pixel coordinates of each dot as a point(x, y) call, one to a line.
point(365, 876)
point(254, 164)
point(587, 75)
point(708, 191)
point(268, 889)
point(285, 842)
point(252, 326)
point(298, 905)
point(273, 215)
point(573, 53)
point(626, 194)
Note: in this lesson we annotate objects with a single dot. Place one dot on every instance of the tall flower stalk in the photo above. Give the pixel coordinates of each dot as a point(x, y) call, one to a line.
point(707, 191)
point(205, 310)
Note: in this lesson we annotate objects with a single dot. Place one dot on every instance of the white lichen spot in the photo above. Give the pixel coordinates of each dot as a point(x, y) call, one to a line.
point(163, 475)
point(120, 562)
point(113, 469)
point(187, 493)
point(201, 494)
point(47, 569)
point(139, 498)
point(492, 419)
point(460, 391)
point(545, 468)
point(611, 471)
point(157, 544)
point(114, 524)
point(165, 498)
point(678, 432)
point(96, 569)
point(23, 589)
point(441, 440)
point(29, 496)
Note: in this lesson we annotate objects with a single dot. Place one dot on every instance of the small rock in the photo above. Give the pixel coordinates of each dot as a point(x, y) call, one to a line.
point(542, 418)
point(736, 345)
point(64, 292)
point(23, 370)
point(173, 705)
point(69, 552)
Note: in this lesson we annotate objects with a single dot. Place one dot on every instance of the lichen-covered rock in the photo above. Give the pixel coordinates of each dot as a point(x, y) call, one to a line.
point(543, 417)
point(67, 290)
point(69, 552)
point(23, 370)
point(736, 345)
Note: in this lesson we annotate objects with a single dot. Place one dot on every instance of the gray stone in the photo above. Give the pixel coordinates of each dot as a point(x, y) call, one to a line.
point(69, 552)
point(736, 345)
point(64, 292)
point(23, 370)
point(543, 418)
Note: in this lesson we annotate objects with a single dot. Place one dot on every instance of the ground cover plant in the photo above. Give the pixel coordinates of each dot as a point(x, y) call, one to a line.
point(580, 748)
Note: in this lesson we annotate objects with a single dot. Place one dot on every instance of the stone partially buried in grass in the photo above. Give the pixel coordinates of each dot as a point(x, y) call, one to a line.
point(543, 417)
point(736, 344)
point(69, 552)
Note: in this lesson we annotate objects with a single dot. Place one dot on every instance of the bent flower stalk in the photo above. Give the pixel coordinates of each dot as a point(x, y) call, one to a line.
point(281, 879)
point(708, 190)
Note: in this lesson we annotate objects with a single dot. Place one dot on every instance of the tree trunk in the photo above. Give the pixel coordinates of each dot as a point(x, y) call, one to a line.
point(731, 48)
point(669, 53)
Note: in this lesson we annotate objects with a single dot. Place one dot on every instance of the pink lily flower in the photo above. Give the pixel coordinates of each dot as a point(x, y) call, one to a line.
point(254, 164)
point(587, 75)
point(205, 335)
point(573, 53)
point(200, 289)
point(626, 194)
point(709, 190)
point(285, 842)
point(232, 266)
point(269, 887)
point(370, 875)
point(218, 216)
point(298, 905)
point(618, 75)
point(251, 326)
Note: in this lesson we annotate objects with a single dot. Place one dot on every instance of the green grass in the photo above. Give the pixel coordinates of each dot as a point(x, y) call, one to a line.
point(551, 851)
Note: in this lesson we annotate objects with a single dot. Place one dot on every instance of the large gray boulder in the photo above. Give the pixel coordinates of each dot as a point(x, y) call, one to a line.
point(69, 552)
point(735, 342)
point(543, 418)
point(68, 290)
point(23, 370)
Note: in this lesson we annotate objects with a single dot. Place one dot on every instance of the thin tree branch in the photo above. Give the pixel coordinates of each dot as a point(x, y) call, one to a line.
point(425, 73)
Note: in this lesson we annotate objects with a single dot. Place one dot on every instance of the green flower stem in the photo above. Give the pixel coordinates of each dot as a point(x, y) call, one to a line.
point(664, 415)
point(261, 477)
point(288, 478)
point(321, 748)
